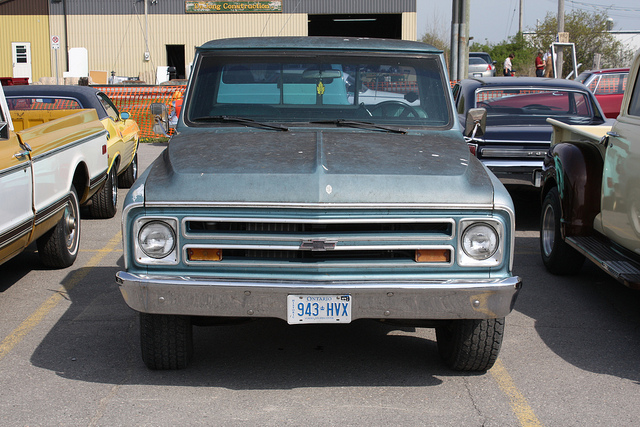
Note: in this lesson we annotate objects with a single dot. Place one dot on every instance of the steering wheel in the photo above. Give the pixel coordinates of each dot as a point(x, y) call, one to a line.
point(394, 109)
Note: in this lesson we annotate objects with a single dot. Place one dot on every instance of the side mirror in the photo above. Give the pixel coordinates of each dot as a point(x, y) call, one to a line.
point(476, 123)
point(160, 114)
point(125, 116)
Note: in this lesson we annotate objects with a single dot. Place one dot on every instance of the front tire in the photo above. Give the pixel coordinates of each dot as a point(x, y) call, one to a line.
point(104, 203)
point(470, 344)
point(166, 341)
point(558, 257)
point(58, 247)
point(130, 175)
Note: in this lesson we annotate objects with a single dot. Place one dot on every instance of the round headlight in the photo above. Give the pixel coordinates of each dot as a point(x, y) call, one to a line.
point(480, 241)
point(156, 239)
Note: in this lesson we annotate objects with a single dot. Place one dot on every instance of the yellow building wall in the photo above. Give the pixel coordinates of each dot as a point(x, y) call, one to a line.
point(25, 28)
point(410, 26)
point(117, 42)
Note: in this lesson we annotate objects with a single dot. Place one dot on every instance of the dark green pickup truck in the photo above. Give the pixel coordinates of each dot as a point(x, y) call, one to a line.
point(319, 180)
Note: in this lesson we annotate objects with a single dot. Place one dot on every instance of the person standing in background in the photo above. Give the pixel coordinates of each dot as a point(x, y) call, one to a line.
point(508, 67)
point(539, 65)
point(548, 65)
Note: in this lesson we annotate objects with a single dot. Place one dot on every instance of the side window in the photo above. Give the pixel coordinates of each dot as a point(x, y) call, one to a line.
point(593, 84)
point(609, 85)
point(111, 109)
point(634, 104)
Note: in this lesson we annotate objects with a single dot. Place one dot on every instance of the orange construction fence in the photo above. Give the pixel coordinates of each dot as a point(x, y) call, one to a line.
point(136, 99)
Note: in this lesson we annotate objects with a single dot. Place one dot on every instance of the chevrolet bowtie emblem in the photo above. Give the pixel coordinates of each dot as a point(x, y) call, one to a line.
point(318, 245)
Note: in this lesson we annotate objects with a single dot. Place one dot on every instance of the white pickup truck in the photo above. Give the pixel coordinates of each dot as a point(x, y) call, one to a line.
point(591, 193)
point(51, 162)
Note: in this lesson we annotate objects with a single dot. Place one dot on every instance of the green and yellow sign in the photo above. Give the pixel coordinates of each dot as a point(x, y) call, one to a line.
point(246, 6)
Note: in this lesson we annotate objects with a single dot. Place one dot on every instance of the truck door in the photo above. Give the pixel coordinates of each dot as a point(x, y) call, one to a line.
point(621, 176)
point(16, 214)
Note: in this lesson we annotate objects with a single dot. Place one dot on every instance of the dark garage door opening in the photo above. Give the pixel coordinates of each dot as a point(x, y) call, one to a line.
point(387, 26)
point(175, 58)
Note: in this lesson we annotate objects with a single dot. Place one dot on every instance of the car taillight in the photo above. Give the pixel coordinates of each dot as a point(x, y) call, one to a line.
point(488, 67)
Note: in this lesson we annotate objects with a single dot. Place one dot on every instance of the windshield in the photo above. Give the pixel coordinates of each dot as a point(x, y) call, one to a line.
point(534, 105)
point(290, 87)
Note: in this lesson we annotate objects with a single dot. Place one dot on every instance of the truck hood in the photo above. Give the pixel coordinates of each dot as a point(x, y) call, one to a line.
point(318, 167)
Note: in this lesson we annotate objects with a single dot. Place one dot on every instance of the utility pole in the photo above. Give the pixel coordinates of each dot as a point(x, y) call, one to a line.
point(520, 17)
point(463, 39)
point(453, 56)
point(559, 60)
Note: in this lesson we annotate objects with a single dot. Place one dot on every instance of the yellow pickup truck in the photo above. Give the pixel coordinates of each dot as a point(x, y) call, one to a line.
point(51, 162)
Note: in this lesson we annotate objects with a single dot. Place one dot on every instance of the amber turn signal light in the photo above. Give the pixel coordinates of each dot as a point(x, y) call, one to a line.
point(433, 255)
point(198, 254)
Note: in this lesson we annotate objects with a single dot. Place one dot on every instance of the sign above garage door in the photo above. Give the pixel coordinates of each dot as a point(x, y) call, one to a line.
point(233, 6)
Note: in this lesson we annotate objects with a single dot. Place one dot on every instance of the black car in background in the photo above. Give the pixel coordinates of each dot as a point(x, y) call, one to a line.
point(517, 135)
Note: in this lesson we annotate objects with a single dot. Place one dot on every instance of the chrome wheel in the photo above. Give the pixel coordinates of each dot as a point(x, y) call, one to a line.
point(548, 229)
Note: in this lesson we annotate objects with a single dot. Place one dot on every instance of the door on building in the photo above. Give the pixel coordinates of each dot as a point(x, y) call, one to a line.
point(21, 54)
point(175, 58)
point(387, 26)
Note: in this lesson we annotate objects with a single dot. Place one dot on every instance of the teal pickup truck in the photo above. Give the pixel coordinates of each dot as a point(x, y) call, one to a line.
point(319, 180)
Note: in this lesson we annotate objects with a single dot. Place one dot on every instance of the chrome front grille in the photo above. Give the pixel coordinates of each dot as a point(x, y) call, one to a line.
point(304, 242)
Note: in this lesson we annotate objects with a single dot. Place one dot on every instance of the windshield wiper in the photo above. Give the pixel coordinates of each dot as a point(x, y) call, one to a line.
point(243, 120)
point(361, 125)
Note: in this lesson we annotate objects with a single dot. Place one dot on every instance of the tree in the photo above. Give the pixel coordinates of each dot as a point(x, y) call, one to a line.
point(436, 36)
point(588, 31)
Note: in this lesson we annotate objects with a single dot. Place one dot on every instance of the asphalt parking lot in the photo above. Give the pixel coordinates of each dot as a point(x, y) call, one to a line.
point(69, 355)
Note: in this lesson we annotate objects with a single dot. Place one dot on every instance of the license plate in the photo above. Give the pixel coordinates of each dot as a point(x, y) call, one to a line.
point(318, 309)
point(477, 74)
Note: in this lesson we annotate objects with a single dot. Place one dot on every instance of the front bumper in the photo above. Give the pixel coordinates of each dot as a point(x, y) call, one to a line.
point(432, 300)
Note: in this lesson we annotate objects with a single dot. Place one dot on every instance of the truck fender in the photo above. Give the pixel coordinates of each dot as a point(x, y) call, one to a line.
point(577, 169)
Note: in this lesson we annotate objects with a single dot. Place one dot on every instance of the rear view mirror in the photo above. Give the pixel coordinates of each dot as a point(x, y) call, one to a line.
point(476, 122)
point(160, 114)
point(321, 74)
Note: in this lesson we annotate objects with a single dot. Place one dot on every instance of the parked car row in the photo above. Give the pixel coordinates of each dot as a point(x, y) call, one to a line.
point(554, 134)
point(63, 148)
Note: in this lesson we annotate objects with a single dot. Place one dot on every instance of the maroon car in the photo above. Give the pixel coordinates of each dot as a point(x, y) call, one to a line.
point(608, 87)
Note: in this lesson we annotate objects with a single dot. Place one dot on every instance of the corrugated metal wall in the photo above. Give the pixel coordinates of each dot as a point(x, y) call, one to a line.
point(124, 52)
point(327, 7)
point(176, 7)
point(25, 21)
point(113, 31)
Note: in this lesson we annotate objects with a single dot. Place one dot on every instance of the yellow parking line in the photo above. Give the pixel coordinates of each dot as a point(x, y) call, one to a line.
point(16, 336)
point(518, 402)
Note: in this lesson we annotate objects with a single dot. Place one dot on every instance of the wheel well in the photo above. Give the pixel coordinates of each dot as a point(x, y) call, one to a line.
point(81, 182)
point(580, 166)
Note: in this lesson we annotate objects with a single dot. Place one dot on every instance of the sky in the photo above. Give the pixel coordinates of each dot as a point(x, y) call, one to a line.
point(493, 21)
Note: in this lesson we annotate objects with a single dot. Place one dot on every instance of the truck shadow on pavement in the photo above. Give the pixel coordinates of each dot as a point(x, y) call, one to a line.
point(97, 340)
point(589, 320)
point(12, 271)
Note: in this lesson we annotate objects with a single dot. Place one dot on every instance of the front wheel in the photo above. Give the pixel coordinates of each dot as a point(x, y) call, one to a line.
point(470, 344)
point(105, 202)
point(58, 247)
point(558, 257)
point(166, 341)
